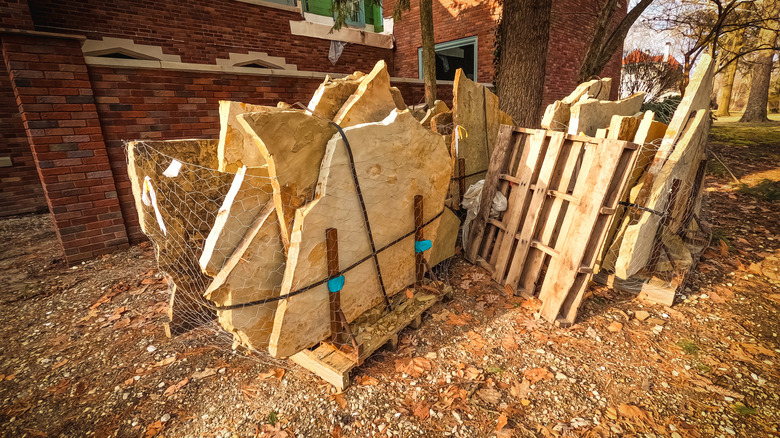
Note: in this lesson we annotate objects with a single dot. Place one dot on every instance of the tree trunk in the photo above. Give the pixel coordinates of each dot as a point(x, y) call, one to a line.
point(755, 110)
point(428, 51)
point(724, 97)
point(524, 32)
point(761, 72)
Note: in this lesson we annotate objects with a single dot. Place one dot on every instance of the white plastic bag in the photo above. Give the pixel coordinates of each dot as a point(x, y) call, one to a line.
point(471, 201)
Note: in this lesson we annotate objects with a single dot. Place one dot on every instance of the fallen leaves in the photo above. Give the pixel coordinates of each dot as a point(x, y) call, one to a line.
point(175, 387)
point(457, 320)
point(367, 381)
point(520, 390)
point(339, 399)
point(154, 429)
point(208, 372)
point(414, 367)
point(615, 327)
point(635, 412)
point(502, 420)
point(489, 395)
point(275, 372)
point(509, 344)
point(422, 410)
point(535, 375)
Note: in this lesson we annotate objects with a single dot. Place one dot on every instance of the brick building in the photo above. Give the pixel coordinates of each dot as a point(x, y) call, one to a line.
point(82, 76)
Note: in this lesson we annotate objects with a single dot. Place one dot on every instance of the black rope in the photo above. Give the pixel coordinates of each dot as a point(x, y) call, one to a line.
point(365, 214)
point(639, 207)
point(321, 282)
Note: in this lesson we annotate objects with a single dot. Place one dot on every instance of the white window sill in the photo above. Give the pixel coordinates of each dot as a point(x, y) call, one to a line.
point(322, 30)
point(274, 5)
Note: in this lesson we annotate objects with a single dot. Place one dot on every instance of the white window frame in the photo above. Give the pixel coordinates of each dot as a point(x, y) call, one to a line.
point(451, 45)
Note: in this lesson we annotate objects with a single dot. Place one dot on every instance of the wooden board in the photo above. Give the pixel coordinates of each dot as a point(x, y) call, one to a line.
point(394, 160)
point(562, 191)
point(475, 108)
point(334, 365)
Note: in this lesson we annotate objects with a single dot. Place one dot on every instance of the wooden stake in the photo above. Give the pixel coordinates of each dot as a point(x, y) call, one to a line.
point(461, 181)
point(332, 248)
point(419, 260)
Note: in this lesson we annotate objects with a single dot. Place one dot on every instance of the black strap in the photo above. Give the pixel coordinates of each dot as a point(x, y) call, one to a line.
point(639, 207)
point(321, 282)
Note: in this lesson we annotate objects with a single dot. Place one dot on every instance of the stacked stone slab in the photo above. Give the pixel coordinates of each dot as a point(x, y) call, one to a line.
point(253, 248)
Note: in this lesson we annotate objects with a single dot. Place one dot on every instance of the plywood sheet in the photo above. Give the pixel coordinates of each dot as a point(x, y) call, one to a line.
point(394, 160)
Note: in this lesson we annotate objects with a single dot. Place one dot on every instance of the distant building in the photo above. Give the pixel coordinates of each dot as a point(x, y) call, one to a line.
point(656, 75)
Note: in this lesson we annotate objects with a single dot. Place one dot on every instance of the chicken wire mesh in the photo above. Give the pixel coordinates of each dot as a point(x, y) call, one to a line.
point(218, 239)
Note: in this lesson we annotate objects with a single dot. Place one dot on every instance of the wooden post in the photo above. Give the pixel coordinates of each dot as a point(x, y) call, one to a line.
point(461, 181)
point(419, 260)
point(332, 248)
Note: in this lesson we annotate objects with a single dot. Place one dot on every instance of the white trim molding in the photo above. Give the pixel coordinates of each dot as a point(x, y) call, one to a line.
point(109, 45)
point(261, 58)
point(274, 5)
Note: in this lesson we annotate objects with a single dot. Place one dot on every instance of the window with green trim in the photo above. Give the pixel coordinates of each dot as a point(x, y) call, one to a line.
point(370, 13)
point(451, 56)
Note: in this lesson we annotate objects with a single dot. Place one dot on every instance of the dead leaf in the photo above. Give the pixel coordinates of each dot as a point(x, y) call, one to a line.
point(724, 248)
point(409, 294)
point(536, 374)
point(757, 349)
point(532, 304)
point(122, 323)
point(339, 399)
point(164, 362)
point(336, 432)
point(520, 389)
point(367, 381)
point(59, 364)
point(414, 367)
point(509, 291)
point(422, 410)
point(615, 327)
point(455, 319)
point(275, 372)
point(208, 372)
point(173, 388)
point(632, 411)
point(501, 422)
point(154, 429)
point(490, 395)
point(509, 343)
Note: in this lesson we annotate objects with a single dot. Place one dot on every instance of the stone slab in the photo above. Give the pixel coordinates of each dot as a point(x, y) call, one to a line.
point(235, 147)
point(587, 116)
point(395, 160)
point(371, 102)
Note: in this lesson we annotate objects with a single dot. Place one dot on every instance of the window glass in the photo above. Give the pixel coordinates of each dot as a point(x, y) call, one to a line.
point(451, 56)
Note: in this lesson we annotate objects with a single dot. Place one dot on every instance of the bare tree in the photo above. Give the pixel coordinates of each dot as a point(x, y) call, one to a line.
point(604, 44)
point(654, 75)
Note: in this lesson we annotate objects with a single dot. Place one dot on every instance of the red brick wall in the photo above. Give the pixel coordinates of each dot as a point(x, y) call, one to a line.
point(201, 30)
point(57, 108)
point(138, 104)
point(14, 14)
point(570, 25)
point(452, 20)
point(20, 188)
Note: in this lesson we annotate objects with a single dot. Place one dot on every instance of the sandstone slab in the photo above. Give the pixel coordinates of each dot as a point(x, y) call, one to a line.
point(395, 160)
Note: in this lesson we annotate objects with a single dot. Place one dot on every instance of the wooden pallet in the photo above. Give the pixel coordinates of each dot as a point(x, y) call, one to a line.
point(562, 191)
point(374, 329)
